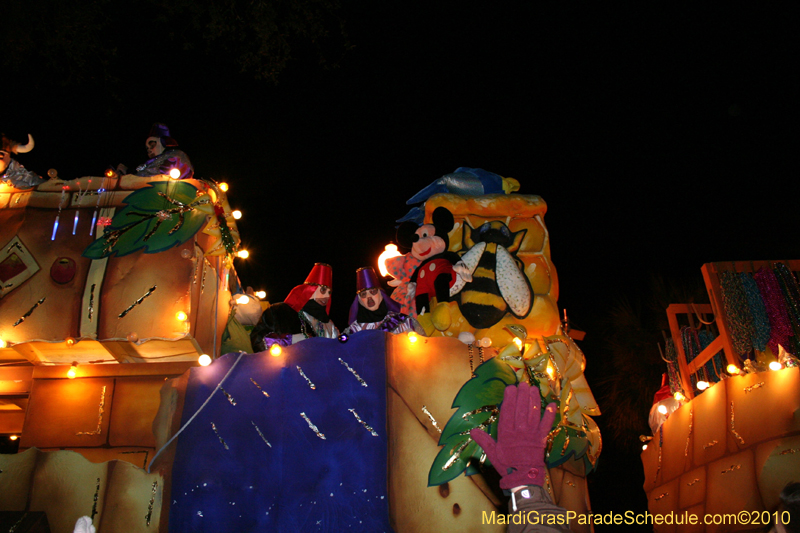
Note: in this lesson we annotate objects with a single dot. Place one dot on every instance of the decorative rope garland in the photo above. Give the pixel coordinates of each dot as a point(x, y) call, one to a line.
point(780, 327)
point(734, 301)
point(758, 312)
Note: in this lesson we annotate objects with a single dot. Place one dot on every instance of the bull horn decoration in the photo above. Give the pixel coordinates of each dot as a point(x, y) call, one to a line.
point(24, 148)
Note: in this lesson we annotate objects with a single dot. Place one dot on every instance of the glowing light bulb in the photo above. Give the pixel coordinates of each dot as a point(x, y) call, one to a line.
point(70, 342)
point(678, 396)
point(242, 299)
point(275, 350)
point(110, 173)
point(204, 360)
point(174, 173)
point(412, 337)
point(702, 385)
point(223, 187)
point(644, 447)
point(243, 254)
point(261, 294)
point(550, 371)
point(518, 342)
point(236, 214)
point(3, 343)
point(388, 252)
point(13, 437)
point(72, 372)
point(775, 365)
point(181, 316)
point(662, 409)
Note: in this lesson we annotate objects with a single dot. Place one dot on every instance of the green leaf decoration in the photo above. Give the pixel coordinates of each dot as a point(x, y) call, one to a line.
point(137, 226)
point(576, 448)
point(476, 402)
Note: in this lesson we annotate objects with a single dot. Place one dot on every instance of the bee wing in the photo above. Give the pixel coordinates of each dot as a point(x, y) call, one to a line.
point(513, 284)
point(470, 259)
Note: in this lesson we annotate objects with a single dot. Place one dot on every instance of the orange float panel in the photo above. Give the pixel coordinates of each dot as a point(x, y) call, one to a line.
point(692, 488)
point(136, 402)
point(675, 454)
point(764, 404)
point(732, 485)
point(710, 433)
point(12, 421)
point(68, 413)
point(662, 500)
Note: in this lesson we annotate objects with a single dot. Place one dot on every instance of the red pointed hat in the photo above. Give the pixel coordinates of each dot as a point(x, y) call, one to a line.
point(321, 274)
point(664, 392)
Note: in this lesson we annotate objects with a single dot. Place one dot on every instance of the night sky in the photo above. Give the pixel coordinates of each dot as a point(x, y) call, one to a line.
point(661, 137)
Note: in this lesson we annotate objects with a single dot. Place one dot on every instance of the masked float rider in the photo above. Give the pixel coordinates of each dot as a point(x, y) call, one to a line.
point(372, 309)
point(303, 314)
point(164, 155)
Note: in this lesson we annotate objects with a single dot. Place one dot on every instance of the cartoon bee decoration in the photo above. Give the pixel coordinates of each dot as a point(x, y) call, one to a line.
point(498, 284)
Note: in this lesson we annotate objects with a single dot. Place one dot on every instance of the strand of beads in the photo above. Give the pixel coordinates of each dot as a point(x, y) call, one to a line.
point(780, 328)
point(791, 294)
point(716, 363)
point(734, 301)
point(758, 312)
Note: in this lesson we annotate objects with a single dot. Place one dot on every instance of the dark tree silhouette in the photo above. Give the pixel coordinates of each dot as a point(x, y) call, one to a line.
point(101, 41)
point(632, 333)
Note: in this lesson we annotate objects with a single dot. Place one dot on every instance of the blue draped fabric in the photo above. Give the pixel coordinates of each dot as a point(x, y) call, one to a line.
point(226, 478)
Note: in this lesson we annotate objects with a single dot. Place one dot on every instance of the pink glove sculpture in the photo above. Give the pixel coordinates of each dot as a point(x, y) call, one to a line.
point(518, 454)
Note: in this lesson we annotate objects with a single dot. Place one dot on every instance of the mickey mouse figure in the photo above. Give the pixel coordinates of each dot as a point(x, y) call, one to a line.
point(429, 242)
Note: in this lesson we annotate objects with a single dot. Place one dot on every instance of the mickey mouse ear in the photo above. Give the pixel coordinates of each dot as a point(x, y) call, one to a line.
point(406, 234)
point(443, 220)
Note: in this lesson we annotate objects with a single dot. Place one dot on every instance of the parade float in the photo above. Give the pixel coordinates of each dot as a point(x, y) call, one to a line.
point(115, 288)
point(726, 423)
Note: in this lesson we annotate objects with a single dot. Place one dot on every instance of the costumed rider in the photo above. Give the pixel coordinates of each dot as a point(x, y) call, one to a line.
point(303, 314)
point(372, 309)
point(164, 155)
point(12, 172)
